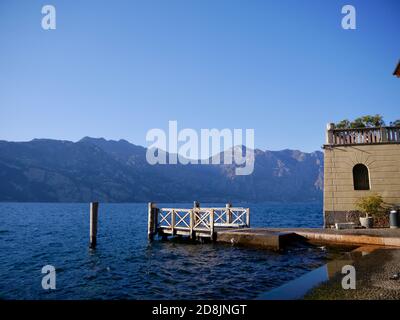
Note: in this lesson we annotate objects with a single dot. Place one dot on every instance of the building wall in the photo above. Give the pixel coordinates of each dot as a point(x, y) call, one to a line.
point(383, 162)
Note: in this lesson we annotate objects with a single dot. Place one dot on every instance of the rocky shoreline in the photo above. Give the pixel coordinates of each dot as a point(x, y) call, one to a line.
point(375, 279)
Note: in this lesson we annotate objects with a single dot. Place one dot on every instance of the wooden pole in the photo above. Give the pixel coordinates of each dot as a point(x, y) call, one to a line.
point(212, 224)
point(248, 217)
point(94, 206)
point(191, 223)
point(151, 220)
point(173, 221)
point(228, 213)
point(196, 207)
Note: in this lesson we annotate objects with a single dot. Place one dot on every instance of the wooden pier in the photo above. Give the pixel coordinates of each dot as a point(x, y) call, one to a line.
point(195, 222)
point(232, 225)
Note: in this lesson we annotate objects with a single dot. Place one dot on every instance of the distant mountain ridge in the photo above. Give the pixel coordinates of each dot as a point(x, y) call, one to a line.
point(117, 171)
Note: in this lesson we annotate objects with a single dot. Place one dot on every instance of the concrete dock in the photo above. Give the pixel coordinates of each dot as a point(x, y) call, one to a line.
point(263, 238)
point(278, 237)
point(232, 225)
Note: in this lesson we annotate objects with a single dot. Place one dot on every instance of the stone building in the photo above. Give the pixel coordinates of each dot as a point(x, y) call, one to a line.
point(357, 163)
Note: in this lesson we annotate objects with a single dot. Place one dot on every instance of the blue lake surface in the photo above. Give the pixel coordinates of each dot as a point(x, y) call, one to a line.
point(126, 266)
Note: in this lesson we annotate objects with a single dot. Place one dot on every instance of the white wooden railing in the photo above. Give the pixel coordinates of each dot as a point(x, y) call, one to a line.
point(197, 222)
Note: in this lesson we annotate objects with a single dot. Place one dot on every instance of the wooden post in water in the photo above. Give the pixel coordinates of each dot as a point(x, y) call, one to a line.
point(191, 224)
point(94, 206)
point(152, 220)
point(248, 217)
point(228, 213)
point(196, 207)
point(212, 224)
point(173, 221)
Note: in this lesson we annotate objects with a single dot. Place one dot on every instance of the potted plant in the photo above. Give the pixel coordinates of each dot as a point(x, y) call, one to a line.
point(371, 206)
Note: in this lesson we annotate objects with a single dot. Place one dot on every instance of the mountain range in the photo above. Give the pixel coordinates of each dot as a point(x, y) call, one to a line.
point(95, 169)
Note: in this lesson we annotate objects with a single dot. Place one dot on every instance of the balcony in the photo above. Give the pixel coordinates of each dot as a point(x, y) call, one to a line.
point(361, 136)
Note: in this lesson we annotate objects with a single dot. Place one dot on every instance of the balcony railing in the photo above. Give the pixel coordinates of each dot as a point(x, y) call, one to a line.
point(362, 135)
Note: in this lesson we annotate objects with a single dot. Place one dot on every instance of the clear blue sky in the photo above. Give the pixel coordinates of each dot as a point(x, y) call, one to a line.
point(116, 69)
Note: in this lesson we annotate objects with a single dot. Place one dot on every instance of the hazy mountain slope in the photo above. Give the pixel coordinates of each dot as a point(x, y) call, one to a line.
point(117, 171)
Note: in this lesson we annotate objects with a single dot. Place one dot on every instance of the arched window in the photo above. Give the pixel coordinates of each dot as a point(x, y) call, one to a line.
point(360, 177)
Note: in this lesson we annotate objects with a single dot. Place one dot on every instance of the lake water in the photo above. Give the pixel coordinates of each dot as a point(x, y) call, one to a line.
point(126, 266)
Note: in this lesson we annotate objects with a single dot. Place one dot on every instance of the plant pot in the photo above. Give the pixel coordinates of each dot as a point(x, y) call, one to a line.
point(367, 222)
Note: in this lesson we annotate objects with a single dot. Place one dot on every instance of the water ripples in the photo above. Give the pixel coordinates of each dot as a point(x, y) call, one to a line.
point(125, 266)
